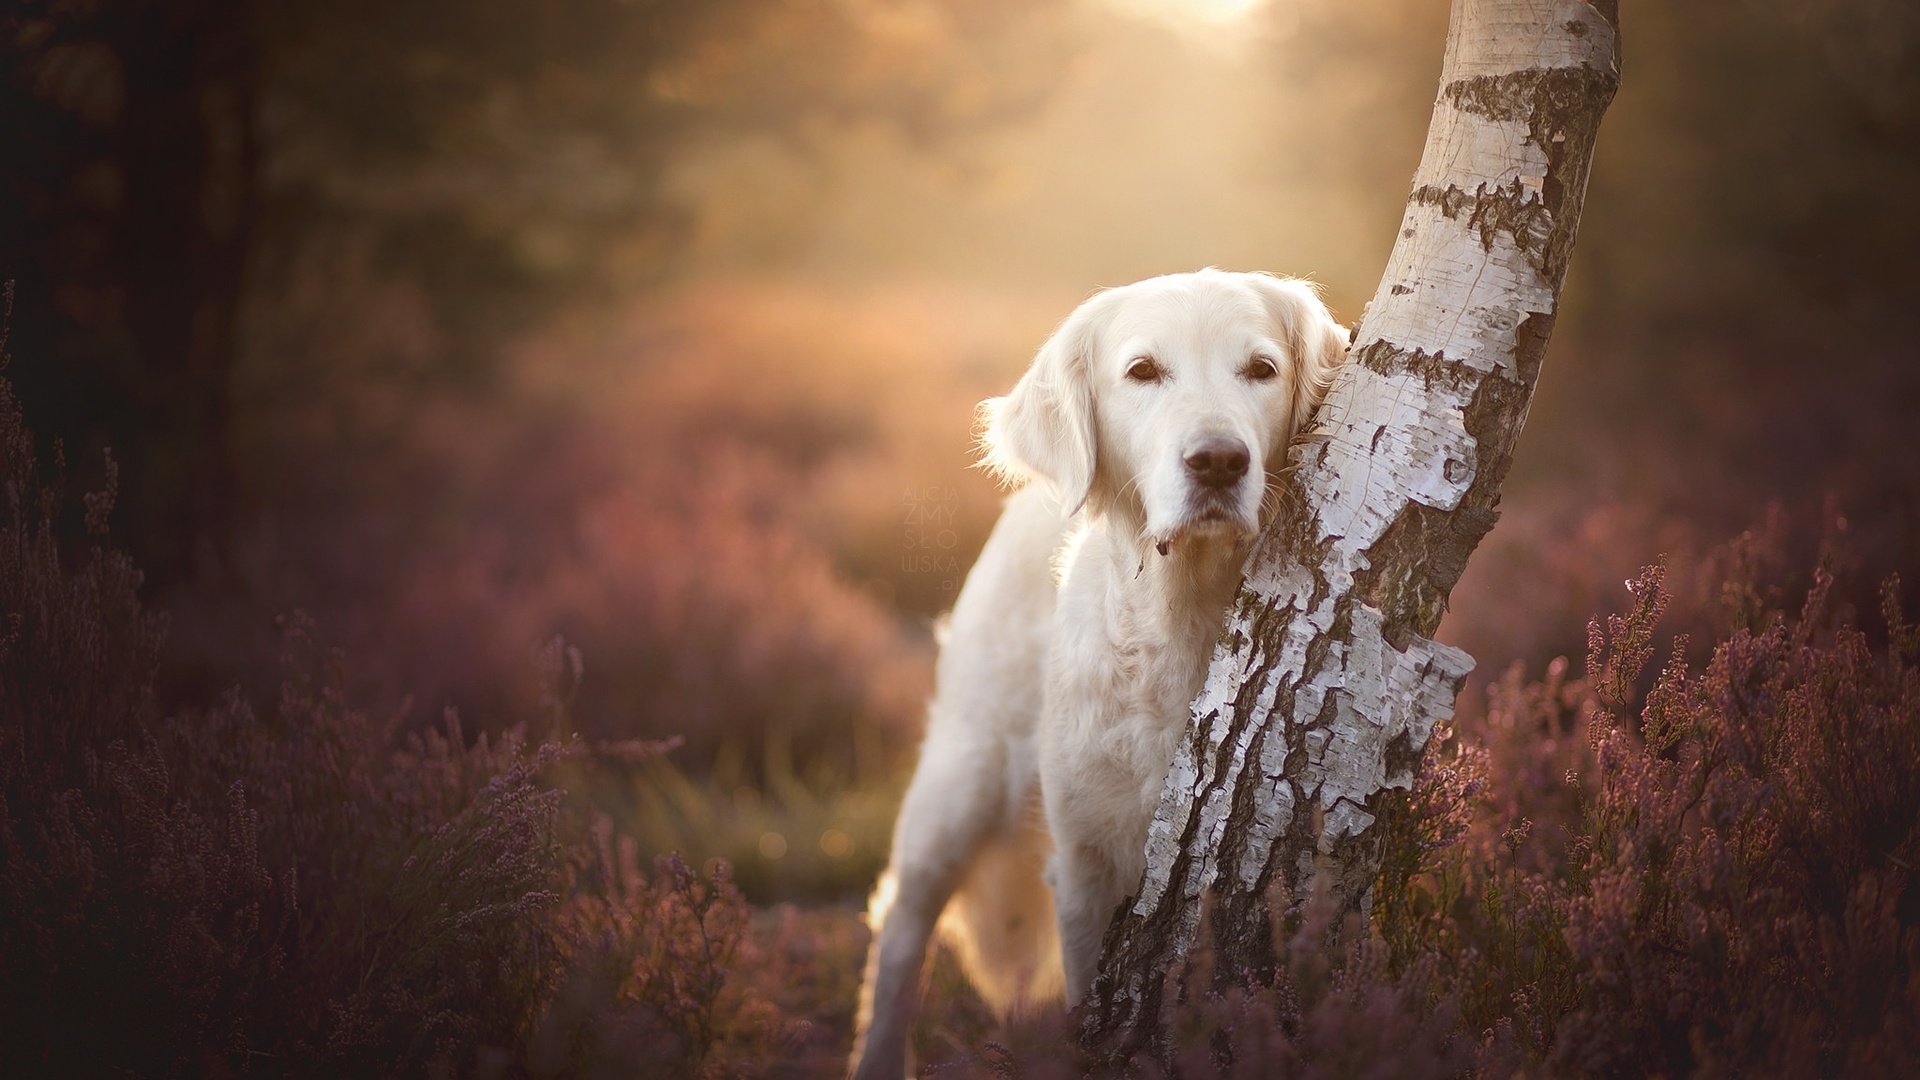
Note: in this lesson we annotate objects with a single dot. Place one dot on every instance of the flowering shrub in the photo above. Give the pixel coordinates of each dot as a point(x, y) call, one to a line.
point(1745, 897)
point(309, 889)
point(1717, 879)
point(646, 965)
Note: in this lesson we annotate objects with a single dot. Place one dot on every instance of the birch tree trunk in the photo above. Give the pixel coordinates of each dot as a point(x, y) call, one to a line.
point(1323, 690)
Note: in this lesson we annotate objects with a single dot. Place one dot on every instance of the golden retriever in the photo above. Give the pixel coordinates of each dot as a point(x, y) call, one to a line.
point(1152, 426)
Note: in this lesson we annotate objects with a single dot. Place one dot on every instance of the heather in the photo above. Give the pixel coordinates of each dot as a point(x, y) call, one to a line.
point(308, 888)
point(1692, 861)
point(1695, 857)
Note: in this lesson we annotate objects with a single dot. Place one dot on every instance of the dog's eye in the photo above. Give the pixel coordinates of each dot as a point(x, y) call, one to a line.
point(1144, 370)
point(1260, 369)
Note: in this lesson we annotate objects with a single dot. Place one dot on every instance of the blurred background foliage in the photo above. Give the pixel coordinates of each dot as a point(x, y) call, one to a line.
point(659, 326)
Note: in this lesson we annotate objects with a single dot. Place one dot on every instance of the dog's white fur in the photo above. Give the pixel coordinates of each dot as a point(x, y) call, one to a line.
point(1083, 631)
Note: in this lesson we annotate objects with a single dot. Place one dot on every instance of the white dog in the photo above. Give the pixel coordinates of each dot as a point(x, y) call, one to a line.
point(1084, 630)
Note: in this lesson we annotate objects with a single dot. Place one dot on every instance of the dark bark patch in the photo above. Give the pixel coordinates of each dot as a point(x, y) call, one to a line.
point(1512, 210)
point(1452, 201)
point(1526, 94)
point(1562, 108)
point(1436, 370)
point(1401, 755)
point(1530, 345)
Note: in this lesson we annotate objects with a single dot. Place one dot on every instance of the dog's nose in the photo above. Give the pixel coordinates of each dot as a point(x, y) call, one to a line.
point(1218, 462)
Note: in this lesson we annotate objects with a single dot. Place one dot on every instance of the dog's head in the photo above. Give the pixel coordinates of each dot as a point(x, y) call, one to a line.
point(1169, 403)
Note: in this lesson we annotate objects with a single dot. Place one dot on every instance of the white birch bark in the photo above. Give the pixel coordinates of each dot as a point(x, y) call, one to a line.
point(1323, 690)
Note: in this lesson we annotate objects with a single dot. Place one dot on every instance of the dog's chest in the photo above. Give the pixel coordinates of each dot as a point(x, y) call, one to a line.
point(1157, 661)
point(1132, 650)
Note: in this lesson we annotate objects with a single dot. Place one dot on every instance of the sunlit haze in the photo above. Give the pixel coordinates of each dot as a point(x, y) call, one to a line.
point(1210, 11)
point(1208, 155)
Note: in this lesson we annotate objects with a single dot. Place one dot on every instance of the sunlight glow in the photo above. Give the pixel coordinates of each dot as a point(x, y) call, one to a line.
point(1216, 12)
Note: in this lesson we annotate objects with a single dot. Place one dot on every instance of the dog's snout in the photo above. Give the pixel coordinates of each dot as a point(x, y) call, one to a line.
point(1218, 462)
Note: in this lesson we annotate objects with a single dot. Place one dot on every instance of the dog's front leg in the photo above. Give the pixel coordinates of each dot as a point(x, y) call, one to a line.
point(891, 991)
point(1086, 890)
point(949, 811)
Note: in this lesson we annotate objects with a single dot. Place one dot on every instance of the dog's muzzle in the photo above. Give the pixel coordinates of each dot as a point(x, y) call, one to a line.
point(1218, 463)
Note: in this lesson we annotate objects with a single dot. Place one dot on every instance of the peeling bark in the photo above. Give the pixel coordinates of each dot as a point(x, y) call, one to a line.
point(1326, 684)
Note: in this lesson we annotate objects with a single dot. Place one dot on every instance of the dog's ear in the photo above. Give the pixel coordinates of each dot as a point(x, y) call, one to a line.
point(1318, 343)
point(1044, 429)
point(1322, 352)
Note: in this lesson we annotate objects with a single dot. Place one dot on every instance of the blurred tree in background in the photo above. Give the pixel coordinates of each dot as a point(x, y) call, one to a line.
point(175, 165)
point(131, 201)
